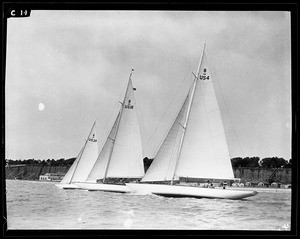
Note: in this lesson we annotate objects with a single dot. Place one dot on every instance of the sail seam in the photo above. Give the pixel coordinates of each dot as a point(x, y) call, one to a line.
point(177, 90)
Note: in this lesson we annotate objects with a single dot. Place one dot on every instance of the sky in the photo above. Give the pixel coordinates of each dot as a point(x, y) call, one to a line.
point(66, 69)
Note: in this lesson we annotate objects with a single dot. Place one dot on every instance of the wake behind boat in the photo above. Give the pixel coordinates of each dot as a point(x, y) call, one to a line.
point(121, 158)
point(83, 163)
point(195, 147)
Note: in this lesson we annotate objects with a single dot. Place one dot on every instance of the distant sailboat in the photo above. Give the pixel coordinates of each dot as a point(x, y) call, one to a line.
point(83, 164)
point(121, 157)
point(195, 147)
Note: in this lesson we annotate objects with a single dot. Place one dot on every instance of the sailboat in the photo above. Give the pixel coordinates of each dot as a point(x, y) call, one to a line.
point(83, 163)
point(121, 157)
point(194, 148)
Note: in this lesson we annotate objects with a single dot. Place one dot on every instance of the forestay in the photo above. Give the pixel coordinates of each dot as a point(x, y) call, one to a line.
point(162, 168)
point(68, 176)
point(98, 171)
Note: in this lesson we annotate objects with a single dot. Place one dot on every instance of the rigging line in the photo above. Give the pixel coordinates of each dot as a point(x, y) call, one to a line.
point(179, 87)
point(223, 99)
point(167, 131)
point(105, 131)
point(118, 125)
point(78, 157)
point(107, 125)
point(140, 121)
point(177, 90)
point(142, 131)
point(191, 95)
point(116, 108)
point(113, 144)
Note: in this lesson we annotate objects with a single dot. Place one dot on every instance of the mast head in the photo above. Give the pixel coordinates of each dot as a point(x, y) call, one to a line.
point(131, 73)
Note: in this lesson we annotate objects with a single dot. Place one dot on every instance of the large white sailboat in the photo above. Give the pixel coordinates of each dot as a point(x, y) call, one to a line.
point(194, 148)
point(83, 163)
point(121, 157)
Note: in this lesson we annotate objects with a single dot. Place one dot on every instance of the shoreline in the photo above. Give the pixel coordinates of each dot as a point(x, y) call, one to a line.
point(259, 189)
point(29, 180)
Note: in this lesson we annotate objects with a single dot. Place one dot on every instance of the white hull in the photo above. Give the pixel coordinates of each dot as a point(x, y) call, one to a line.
point(186, 191)
point(104, 187)
point(67, 186)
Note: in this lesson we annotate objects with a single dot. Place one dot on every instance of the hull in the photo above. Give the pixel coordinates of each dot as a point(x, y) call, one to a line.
point(67, 186)
point(186, 191)
point(104, 187)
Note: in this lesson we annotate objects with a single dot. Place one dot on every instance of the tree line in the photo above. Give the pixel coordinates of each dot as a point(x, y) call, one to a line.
point(268, 162)
point(252, 162)
point(44, 162)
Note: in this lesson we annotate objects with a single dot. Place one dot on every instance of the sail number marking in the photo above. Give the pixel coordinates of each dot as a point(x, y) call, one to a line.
point(204, 76)
point(129, 106)
point(92, 139)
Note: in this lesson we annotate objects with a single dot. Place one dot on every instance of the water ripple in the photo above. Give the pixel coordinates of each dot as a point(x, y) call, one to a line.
point(41, 205)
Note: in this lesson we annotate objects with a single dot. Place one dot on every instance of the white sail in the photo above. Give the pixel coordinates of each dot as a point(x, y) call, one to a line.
point(195, 147)
point(98, 170)
point(204, 152)
point(127, 158)
point(121, 155)
point(201, 151)
point(84, 162)
point(68, 176)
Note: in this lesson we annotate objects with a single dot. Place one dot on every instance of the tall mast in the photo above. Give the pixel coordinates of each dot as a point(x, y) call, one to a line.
point(188, 113)
point(81, 152)
point(117, 128)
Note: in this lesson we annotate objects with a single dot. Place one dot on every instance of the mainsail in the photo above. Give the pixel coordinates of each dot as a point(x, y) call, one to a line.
point(195, 146)
point(121, 155)
point(85, 160)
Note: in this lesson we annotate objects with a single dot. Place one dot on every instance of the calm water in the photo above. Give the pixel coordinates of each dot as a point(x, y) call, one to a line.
point(41, 205)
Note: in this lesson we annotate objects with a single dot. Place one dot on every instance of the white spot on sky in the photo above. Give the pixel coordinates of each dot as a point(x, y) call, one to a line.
point(41, 106)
